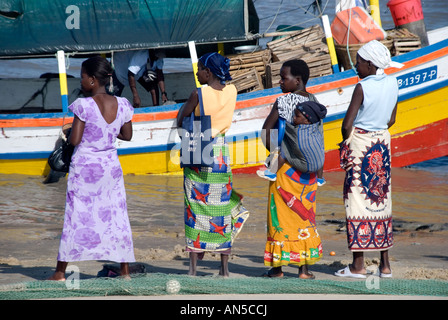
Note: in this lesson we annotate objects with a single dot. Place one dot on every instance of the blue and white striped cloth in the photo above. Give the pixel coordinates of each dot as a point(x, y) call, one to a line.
point(303, 146)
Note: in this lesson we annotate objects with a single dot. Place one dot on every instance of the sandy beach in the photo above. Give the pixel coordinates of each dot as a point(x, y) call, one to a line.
point(31, 218)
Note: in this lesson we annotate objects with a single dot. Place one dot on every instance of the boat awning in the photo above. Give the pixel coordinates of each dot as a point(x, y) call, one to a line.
point(36, 28)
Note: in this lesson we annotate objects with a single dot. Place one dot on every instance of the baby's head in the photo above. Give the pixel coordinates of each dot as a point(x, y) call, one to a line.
point(309, 112)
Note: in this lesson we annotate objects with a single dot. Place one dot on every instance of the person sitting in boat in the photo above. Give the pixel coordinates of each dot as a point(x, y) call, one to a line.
point(287, 112)
point(129, 68)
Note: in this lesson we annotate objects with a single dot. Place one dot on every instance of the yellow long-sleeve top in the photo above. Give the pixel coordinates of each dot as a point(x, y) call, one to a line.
point(220, 104)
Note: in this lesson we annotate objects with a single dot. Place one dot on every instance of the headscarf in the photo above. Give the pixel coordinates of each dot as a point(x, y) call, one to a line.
point(379, 55)
point(218, 65)
point(313, 111)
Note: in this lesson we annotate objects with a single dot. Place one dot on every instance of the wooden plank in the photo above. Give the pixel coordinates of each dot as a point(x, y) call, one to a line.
point(403, 41)
point(247, 81)
point(243, 66)
point(307, 44)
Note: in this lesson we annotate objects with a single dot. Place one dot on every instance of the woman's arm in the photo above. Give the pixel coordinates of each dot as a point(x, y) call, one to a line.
point(392, 117)
point(188, 107)
point(268, 125)
point(352, 111)
point(126, 132)
point(77, 131)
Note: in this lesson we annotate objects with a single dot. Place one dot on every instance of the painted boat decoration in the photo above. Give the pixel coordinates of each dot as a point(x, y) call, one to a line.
point(420, 132)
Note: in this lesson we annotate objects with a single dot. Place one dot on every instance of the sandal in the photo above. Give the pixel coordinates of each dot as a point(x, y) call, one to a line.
point(378, 273)
point(348, 274)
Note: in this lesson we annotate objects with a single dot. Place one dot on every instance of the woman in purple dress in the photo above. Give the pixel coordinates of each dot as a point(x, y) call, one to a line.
point(96, 224)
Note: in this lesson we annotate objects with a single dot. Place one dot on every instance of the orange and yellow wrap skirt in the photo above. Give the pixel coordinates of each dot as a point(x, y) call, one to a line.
point(292, 236)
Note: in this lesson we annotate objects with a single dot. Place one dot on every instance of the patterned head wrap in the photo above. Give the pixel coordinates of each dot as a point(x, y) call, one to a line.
point(379, 55)
point(218, 65)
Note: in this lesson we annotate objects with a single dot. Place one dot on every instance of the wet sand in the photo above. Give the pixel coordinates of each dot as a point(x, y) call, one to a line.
point(32, 213)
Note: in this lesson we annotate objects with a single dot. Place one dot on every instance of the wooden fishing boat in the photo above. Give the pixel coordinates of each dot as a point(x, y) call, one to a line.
point(420, 132)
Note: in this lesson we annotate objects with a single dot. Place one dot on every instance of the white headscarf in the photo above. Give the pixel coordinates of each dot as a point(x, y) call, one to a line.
point(379, 55)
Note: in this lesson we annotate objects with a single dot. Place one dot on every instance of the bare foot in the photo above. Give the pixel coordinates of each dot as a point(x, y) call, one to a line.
point(224, 267)
point(57, 276)
point(275, 272)
point(304, 273)
point(308, 275)
point(223, 272)
point(124, 271)
point(385, 268)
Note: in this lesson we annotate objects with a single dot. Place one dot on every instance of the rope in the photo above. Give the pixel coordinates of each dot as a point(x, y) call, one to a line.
point(348, 37)
point(306, 10)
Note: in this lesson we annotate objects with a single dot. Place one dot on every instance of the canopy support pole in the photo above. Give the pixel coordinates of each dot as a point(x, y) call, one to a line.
point(63, 80)
point(330, 43)
point(194, 61)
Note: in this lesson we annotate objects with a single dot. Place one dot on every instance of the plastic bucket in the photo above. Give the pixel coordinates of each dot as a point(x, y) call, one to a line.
point(409, 14)
point(405, 11)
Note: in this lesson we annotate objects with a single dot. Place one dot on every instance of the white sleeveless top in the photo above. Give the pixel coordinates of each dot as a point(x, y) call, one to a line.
point(380, 98)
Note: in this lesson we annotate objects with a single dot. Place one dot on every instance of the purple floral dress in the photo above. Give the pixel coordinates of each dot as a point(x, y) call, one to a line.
point(96, 225)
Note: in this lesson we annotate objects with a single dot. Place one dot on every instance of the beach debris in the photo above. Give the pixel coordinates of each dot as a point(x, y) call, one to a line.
point(172, 286)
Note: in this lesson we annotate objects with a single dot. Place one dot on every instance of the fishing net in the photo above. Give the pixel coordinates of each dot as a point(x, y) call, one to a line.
point(155, 284)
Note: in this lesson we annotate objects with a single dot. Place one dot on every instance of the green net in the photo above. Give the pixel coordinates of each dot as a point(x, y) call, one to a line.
point(155, 284)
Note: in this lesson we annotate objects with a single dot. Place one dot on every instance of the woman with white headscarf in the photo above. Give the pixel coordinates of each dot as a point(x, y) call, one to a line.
point(366, 157)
